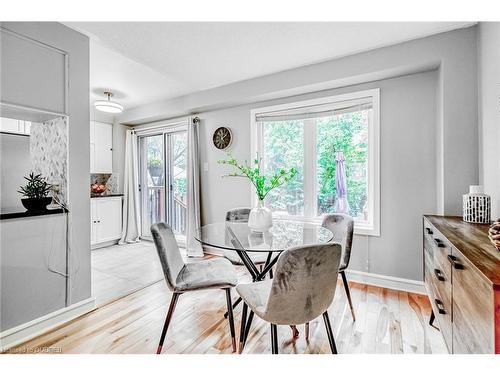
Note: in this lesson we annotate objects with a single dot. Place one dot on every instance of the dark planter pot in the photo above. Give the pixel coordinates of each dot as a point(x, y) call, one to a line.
point(36, 204)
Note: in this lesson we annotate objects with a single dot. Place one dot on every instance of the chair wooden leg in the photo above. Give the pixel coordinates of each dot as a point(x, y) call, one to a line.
point(348, 293)
point(242, 328)
point(274, 339)
point(231, 317)
point(171, 309)
point(329, 332)
point(307, 331)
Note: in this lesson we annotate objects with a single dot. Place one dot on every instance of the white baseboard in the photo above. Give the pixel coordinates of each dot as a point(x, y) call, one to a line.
point(104, 244)
point(24, 332)
point(388, 282)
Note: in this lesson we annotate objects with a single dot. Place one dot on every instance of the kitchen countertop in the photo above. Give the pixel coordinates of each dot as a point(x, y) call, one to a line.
point(20, 212)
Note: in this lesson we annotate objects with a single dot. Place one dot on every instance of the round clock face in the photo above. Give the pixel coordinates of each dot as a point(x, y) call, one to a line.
point(222, 137)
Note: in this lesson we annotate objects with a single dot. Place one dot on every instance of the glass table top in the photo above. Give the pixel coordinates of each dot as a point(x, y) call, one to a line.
point(284, 234)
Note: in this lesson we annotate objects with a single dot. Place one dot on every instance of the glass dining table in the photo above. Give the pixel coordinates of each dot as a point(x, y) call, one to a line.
point(237, 236)
point(284, 234)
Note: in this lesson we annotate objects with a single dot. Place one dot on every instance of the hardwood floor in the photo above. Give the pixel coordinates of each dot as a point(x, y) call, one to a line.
point(388, 321)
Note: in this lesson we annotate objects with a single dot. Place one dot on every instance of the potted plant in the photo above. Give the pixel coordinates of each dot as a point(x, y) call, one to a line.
point(260, 218)
point(36, 192)
point(155, 167)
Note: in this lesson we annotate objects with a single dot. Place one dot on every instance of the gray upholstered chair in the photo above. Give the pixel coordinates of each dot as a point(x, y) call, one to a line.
point(186, 277)
point(302, 289)
point(342, 227)
point(241, 215)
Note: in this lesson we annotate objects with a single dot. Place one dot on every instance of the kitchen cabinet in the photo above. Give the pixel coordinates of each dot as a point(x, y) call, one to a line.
point(101, 147)
point(10, 125)
point(106, 219)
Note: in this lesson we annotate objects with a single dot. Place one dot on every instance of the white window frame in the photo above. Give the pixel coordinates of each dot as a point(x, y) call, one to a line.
point(370, 228)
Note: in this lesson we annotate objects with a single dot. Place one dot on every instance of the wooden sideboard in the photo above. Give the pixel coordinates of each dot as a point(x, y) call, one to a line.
point(462, 279)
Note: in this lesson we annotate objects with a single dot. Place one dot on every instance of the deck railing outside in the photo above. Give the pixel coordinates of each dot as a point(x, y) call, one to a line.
point(156, 200)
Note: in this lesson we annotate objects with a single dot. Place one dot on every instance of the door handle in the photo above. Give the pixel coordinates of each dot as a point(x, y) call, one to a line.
point(439, 274)
point(455, 263)
point(440, 306)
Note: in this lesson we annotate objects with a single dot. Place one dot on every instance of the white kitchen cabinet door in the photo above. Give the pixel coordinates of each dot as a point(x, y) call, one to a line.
point(10, 125)
point(106, 219)
point(101, 147)
point(93, 222)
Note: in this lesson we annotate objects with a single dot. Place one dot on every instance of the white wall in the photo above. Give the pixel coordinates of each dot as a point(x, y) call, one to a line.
point(455, 53)
point(489, 111)
point(408, 170)
point(77, 46)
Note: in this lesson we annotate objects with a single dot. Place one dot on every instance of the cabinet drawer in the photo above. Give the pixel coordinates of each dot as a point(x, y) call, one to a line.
point(440, 297)
point(472, 308)
point(437, 245)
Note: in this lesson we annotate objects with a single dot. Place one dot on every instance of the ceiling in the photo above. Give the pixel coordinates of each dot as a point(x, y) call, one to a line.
point(148, 61)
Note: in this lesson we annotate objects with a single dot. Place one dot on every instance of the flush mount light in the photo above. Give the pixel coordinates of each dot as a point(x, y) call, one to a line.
point(108, 105)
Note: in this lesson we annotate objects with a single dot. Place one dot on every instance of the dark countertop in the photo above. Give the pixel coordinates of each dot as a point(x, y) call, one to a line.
point(106, 196)
point(20, 212)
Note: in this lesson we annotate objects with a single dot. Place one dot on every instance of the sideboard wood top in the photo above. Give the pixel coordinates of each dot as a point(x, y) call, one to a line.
point(472, 241)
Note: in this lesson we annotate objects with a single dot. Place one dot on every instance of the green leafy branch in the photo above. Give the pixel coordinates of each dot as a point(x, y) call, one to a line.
point(37, 186)
point(263, 184)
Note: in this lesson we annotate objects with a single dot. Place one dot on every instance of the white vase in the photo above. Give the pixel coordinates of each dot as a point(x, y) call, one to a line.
point(261, 218)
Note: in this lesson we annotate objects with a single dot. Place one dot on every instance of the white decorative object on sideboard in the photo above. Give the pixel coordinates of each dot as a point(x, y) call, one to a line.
point(106, 220)
point(101, 147)
point(476, 206)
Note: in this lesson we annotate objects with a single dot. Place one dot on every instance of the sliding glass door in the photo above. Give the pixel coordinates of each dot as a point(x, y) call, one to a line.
point(163, 180)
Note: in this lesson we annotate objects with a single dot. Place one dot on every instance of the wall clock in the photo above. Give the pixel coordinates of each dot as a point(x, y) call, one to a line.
point(222, 137)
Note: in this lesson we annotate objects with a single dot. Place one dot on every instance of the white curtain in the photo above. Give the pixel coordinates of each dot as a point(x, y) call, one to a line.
point(131, 208)
point(193, 247)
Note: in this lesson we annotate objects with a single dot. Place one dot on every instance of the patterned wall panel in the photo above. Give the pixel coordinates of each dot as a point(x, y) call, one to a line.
point(49, 152)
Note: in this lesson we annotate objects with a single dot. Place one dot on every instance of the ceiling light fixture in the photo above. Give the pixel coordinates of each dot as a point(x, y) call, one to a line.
point(108, 105)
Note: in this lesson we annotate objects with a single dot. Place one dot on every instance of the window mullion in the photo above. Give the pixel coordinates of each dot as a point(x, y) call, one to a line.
point(309, 170)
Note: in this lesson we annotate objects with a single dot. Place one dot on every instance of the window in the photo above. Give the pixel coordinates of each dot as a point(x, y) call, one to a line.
point(309, 135)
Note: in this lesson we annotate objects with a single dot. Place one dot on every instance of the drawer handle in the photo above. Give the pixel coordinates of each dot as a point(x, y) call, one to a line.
point(440, 306)
point(438, 242)
point(429, 230)
point(439, 274)
point(455, 263)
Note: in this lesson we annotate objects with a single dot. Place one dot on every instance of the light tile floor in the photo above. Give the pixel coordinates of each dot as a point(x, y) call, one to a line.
point(122, 269)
